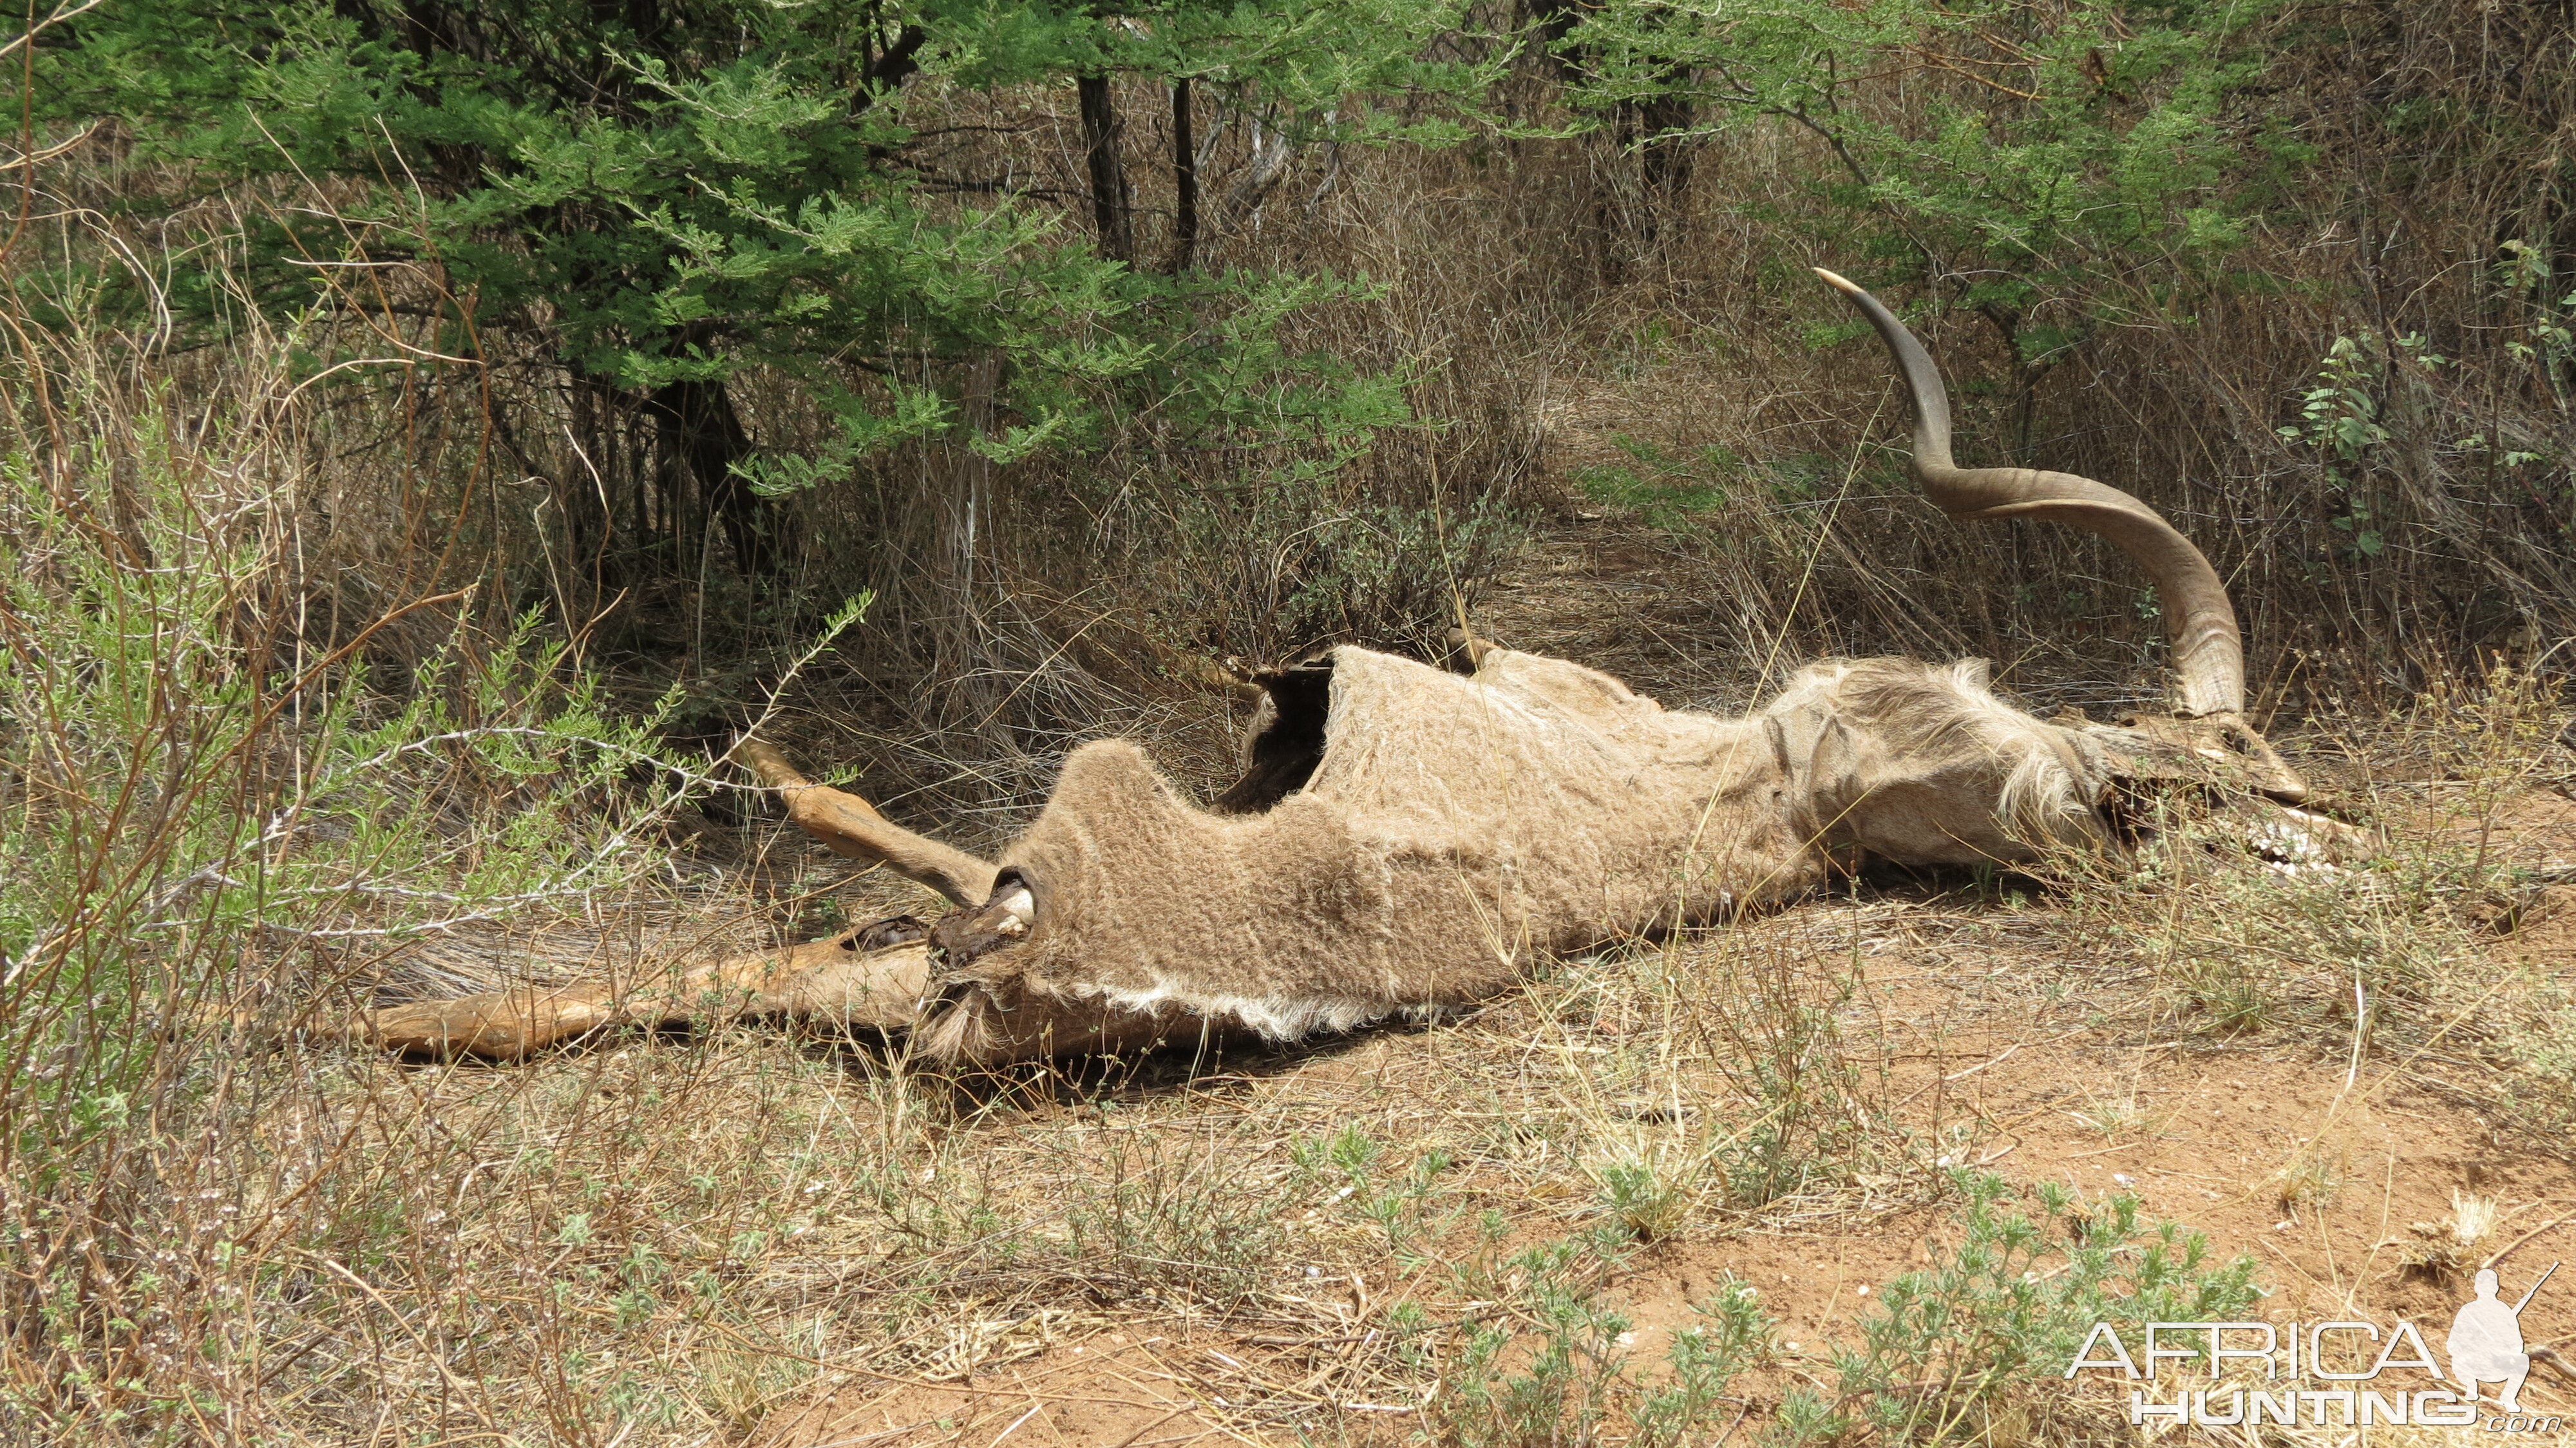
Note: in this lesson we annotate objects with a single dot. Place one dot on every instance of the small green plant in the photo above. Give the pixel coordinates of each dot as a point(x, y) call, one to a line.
point(2340, 418)
point(1551, 1382)
point(1647, 1205)
point(1550, 1365)
point(1399, 1209)
point(1731, 1335)
point(2548, 343)
point(1950, 1350)
point(1668, 489)
point(2341, 413)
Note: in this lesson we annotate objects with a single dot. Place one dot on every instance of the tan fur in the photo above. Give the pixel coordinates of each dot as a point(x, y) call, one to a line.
point(826, 980)
point(1456, 831)
point(1460, 829)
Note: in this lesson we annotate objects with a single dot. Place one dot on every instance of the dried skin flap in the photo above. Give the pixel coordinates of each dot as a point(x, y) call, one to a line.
point(1458, 828)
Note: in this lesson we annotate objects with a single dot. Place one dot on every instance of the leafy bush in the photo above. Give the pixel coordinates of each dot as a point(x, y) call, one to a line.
point(659, 200)
point(1991, 1329)
point(2086, 135)
point(209, 817)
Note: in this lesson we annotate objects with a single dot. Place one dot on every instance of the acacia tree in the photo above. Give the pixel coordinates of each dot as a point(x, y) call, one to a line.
point(661, 194)
point(2040, 152)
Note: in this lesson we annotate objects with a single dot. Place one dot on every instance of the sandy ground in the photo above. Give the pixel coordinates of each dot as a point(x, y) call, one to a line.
point(1981, 1024)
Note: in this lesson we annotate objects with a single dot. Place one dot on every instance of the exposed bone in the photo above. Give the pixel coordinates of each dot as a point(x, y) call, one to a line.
point(848, 825)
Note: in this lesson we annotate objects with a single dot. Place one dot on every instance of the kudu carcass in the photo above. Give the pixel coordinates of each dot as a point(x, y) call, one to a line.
point(1406, 839)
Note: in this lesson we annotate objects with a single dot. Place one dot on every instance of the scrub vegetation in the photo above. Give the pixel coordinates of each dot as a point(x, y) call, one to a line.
point(431, 434)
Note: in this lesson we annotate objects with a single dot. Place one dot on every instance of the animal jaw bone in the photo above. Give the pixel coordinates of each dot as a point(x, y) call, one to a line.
point(1407, 840)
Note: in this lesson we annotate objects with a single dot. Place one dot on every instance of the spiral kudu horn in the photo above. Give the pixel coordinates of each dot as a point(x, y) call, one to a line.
point(2208, 651)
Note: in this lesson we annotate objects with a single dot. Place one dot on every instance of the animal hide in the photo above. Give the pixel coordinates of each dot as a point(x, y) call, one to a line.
point(1456, 829)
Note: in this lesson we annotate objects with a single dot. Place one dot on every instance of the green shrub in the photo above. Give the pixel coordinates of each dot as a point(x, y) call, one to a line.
point(1990, 1331)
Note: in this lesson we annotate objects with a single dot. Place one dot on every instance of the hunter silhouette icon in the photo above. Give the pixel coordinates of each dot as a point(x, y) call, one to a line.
point(2486, 1341)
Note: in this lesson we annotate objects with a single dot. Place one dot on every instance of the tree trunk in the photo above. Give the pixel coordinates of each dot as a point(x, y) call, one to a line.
point(962, 480)
point(1109, 209)
point(1185, 182)
point(699, 430)
point(1663, 159)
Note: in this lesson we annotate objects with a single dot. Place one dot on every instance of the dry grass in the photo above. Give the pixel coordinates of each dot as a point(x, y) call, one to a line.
point(680, 1239)
point(1502, 1229)
point(671, 1236)
point(671, 1240)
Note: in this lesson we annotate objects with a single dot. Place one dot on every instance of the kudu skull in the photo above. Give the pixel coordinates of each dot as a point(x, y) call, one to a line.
point(1407, 839)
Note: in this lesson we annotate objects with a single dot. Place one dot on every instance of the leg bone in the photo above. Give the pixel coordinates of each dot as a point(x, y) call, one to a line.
point(842, 979)
point(850, 826)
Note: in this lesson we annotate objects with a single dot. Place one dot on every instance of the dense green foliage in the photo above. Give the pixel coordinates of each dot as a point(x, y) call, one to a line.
point(2047, 152)
point(991, 229)
point(669, 195)
point(2096, 139)
point(662, 196)
point(2014, 1303)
